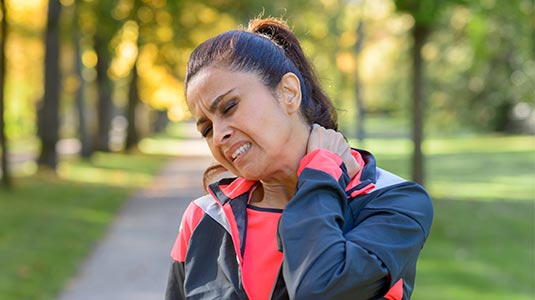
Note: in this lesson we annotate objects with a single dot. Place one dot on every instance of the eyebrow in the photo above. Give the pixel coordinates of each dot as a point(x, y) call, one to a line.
point(213, 106)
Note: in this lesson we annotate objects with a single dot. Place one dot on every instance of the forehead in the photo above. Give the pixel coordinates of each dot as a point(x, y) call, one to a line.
point(212, 82)
point(207, 81)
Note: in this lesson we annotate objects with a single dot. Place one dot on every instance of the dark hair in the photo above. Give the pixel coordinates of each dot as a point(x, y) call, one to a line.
point(268, 48)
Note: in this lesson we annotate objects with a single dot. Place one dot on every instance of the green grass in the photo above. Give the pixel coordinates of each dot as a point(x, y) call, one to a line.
point(479, 168)
point(49, 224)
point(478, 250)
point(483, 235)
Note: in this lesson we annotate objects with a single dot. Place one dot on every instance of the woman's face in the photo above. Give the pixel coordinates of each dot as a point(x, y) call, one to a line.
point(253, 131)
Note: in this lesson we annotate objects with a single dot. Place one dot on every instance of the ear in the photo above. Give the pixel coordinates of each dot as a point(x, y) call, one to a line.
point(289, 91)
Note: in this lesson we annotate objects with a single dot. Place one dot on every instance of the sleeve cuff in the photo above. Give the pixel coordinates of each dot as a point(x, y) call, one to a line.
point(322, 160)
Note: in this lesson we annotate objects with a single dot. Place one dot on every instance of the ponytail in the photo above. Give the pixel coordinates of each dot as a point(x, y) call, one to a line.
point(320, 108)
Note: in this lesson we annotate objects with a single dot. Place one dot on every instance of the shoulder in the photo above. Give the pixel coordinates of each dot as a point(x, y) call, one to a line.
point(384, 179)
point(196, 210)
point(397, 195)
point(190, 219)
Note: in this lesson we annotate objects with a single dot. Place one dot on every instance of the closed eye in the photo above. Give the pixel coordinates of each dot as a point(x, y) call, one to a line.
point(206, 131)
point(229, 106)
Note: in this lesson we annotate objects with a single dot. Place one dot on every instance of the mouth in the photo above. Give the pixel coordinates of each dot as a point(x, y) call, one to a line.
point(242, 149)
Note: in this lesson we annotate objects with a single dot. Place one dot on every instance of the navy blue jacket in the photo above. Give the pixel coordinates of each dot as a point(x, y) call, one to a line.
point(341, 238)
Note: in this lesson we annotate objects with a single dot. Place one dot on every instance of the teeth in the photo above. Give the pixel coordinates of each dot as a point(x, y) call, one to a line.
point(240, 150)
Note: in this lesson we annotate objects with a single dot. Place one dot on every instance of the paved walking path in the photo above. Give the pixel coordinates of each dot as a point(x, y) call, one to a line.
point(132, 261)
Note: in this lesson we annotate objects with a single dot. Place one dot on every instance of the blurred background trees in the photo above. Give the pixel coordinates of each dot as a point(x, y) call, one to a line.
point(97, 75)
point(3, 140)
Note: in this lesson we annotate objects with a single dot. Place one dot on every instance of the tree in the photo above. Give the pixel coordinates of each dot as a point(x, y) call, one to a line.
point(6, 181)
point(500, 83)
point(359, 99)
point(424, 14)
point(101, 40)
point(132, 134)
point(48, 113)
point(83, 131)
point(104, 86)
point(419, 35)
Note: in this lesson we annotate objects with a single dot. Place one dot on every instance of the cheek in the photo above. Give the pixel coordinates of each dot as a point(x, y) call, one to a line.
point(276, 127)
point(267, 117)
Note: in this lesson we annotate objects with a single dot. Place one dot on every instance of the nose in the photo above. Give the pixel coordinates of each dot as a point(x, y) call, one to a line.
point(221, 133)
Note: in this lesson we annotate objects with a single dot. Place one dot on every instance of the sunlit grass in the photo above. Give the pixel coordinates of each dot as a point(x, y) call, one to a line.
point(483, 236)
point(110, 169)
point(484, 168)
point(174, 147)
point(478, 250)
point(481, 144)
point(48, 223)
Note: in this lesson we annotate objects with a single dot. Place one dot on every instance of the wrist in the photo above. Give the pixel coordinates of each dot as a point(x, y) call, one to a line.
point(322, 160)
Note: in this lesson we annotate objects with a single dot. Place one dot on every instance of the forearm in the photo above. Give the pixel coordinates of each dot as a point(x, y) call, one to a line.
point(319, 262)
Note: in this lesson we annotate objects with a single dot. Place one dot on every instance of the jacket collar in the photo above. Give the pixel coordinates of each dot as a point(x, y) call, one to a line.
point(231, 188)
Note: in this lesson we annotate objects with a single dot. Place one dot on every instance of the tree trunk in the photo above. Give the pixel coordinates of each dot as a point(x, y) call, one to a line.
point(161, 121)
point(419, 34)
point(6, 178)
point(132, 136)
point(104, 107)
point(48, 126)
point(361, 110)
point(83, 132)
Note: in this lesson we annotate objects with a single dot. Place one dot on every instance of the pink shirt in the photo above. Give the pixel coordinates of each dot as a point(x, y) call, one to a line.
point(261, 259)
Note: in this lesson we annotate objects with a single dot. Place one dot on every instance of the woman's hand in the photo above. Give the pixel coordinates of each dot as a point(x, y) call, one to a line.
point(333, 141)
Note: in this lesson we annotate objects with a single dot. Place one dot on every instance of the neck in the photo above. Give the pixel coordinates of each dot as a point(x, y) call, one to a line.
point(274, 194)
point(277, 190)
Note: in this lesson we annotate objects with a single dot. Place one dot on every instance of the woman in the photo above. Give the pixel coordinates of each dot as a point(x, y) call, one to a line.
point(306, 216)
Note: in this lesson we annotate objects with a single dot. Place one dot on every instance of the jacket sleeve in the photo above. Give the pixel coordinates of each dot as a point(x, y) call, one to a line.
point(322, 258)
point(175, 282)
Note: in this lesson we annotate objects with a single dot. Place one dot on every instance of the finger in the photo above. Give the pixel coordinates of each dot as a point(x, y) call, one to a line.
point(315, 139)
